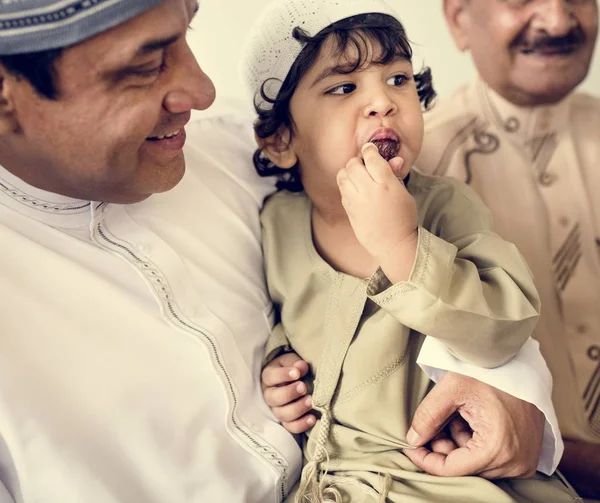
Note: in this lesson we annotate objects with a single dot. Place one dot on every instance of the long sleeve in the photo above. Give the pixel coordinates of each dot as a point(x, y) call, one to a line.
point(277, 344)
point(468, 287)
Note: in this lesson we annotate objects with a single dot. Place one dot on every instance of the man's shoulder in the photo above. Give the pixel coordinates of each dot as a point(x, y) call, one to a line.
point(448, 126)
point(585, 107)
point(450, 113)
point(444, 195)
point(209, 134)
point(585, 100)
point(224, 144)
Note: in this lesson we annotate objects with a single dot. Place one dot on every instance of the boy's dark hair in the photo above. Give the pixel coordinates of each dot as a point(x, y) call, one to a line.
point(37, 68)
point(385, 31)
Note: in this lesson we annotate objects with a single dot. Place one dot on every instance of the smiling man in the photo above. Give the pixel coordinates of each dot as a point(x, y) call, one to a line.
point(530, 147)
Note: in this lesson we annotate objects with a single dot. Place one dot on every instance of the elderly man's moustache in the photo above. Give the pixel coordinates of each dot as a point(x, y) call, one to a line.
point(571, 41)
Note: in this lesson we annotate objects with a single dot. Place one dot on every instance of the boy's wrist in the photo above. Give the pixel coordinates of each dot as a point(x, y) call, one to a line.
point(397, 263)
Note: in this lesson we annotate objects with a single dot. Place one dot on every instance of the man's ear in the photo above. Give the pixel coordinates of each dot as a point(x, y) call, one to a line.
point(278, 148)
point(457, 17)
point(8, 117)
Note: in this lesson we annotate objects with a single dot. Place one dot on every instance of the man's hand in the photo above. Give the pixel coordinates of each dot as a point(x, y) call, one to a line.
point(286, 394)
point(489, 433)
point(581, 465)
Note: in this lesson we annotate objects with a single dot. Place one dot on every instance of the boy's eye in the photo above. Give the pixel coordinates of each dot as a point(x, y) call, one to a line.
point(397, 80)
point(343, 89)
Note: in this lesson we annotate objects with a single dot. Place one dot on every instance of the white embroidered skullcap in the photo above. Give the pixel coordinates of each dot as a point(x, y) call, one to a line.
point(40, 25)
point(271, 49)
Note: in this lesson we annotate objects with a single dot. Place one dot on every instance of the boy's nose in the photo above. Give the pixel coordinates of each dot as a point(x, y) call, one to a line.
point(380, 106)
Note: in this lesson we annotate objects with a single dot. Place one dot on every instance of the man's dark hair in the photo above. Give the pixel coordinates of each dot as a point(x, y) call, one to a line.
point(384, 31)
point(36, 67)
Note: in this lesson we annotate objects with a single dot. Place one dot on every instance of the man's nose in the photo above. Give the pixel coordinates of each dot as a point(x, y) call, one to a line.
point(555, 17)
point(192, 88)
point(380, 105)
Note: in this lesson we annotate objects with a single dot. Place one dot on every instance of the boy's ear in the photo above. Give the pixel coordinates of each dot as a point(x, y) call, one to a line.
point(278, 148)
point(457, 17)
point(8, 116)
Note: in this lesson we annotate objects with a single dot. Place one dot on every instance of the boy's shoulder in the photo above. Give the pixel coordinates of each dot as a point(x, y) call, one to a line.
point(421, 182)
point(443, 194)
point(284, 205)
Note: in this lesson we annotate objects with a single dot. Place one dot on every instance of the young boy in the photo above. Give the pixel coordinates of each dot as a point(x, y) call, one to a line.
point(364, 260)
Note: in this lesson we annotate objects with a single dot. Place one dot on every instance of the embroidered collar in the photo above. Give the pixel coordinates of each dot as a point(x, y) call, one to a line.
point(52, 209)
point(524, 126)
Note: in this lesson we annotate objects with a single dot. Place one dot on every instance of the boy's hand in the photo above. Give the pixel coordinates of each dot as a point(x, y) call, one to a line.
point(286, 394)
point(382, 213)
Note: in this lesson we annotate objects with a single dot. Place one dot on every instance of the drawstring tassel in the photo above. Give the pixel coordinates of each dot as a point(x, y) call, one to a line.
point(386, 486)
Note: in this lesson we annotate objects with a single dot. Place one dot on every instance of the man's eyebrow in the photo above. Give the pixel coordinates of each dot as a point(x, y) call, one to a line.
point(156, 45)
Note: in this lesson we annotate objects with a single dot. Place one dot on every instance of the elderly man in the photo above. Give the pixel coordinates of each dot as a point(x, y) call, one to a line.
point(133, 326)
point(530, 147)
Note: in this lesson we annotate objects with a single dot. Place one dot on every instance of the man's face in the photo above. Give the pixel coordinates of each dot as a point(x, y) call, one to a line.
point(336, 113)
point(532, 52)
point(116, 131)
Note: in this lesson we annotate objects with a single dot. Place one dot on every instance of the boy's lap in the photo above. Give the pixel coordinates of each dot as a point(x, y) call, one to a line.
point(407, 487)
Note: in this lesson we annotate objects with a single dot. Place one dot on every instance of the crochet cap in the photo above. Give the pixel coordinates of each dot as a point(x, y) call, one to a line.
point(40, 25)
point(271, 49)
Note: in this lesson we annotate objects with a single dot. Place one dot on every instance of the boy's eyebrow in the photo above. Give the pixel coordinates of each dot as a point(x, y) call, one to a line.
point(330, 71)
point(344, 70)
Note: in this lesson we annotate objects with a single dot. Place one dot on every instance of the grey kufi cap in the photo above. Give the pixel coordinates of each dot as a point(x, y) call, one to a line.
point(39, 25)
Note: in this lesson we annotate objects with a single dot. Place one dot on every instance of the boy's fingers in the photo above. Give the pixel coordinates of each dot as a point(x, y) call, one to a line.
point(293, 410)
point(286, 360)
point(344, 183)
point(300, 425)
point(278, 396)
point(397, 165)
point(357, 173)
point(276, 376)
point(377, 166)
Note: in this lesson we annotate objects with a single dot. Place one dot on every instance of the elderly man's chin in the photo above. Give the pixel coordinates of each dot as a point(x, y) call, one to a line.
point(548, 80)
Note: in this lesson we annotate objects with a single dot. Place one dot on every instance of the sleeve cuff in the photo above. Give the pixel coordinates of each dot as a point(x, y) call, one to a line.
point(433, 264)
point(277, 345)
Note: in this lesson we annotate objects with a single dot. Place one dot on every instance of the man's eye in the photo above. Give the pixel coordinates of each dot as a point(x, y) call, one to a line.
point(148, 72)
point(343, 89)
point(398, 80)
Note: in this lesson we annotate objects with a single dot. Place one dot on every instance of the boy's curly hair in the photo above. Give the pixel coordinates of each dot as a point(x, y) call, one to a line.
point(386, 32)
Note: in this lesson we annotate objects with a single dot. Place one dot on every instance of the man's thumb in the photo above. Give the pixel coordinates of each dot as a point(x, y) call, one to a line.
point(432, 415)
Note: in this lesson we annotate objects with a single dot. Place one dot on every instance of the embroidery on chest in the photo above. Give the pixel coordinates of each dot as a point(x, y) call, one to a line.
point(591, 395)
point(566, 258)
point(486, 143)
point(543, 149)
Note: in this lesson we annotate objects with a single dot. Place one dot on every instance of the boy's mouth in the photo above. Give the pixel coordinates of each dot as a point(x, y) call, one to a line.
point(387, 142)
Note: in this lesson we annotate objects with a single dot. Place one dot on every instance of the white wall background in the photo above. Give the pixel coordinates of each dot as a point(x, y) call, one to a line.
point(221, 27)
